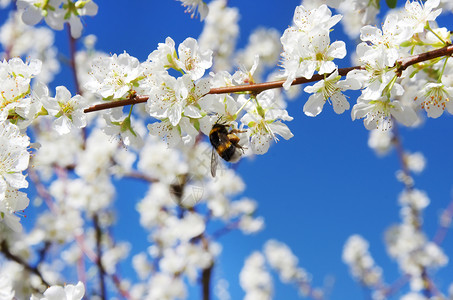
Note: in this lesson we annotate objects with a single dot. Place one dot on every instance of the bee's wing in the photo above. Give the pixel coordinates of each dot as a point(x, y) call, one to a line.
point(214, 162)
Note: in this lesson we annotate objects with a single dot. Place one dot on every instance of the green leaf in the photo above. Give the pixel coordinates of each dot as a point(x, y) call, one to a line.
point(391, 3)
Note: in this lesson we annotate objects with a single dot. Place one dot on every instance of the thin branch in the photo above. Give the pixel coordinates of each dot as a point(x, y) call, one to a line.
point(5, 250)
point(259, 87)
point(95, 259)
point(99, 257)
point(72, 63)
point(445, 222)
point(119, 103)
point(141, 176)
point(41, 189)
point(404, 63)
point(429, 287)
point(256, 88)
point(397, 285)
point(206, 282)
point(206, 273)
point(43, 252)
point(117, 281)
point(408, 183)
point(224, 230)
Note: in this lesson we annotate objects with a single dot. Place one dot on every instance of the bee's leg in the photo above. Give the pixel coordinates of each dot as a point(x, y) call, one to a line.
point(238, 131)
point(234, 139)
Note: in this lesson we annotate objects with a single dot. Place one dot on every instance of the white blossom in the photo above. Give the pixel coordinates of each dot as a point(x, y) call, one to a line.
point(56, 14)
point(417, 14)
point(249, 225)
point(68, 292)
point(266, 44)
point(6, 288)
point(220, 33)
point(435, 98)
point(114, 76)
point(68, 110)
point(166, 287)
point(15, 77)
point(303, 55)
point(192, 60)
point(380, 141)
point(114, 255)
point(361, 264)
point(255, 279)
point(14, 157)
point(379, 114)
point(283, 260)
point(196, 7)
point(415, 161)
point(329, 89)
point(356, 14)
point(264, 122)
point(13, 202)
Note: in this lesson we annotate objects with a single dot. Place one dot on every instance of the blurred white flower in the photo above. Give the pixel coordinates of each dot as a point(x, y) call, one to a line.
point(415, 161)
point(254, 278)
point(360, 262)
point(68, 292)
point(220, 33)
point(283, 260)
point(166, 287)
point(414, 198)
point(380, 141)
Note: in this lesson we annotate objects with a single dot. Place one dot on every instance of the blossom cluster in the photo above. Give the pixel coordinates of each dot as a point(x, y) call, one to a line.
point(172, 213)
point(361, 264)
point(183, 104)
point(57, 12)
point(256, 279)
point(386, 90)
point(407, 242)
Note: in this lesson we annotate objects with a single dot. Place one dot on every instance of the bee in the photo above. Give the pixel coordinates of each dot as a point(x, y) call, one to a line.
point(226, 143)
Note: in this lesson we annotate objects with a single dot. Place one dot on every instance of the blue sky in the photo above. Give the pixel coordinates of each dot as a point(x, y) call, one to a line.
point(314, 190)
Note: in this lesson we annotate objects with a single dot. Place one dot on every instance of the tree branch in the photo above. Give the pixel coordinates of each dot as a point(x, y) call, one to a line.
point(5, 250)
point(98, 230)
point(257, 88)
point(404, 63)
point(72, 63)
point(206, 273)
point(206, 282)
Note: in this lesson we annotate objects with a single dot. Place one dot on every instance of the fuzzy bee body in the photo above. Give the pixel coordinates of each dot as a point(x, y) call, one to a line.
point(226, 143)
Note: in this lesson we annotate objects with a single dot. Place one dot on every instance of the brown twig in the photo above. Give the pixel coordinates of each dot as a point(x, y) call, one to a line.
point(206, 282)
point(445, 222)
point(72, 63)
point(409, 185)
point(5, 250)
point(404, 63)
point(206, 273)
point(101, 268)
point(256, 88)
point(429, 287)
